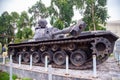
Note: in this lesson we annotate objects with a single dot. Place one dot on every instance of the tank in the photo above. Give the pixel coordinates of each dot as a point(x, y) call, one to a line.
point(74, 42)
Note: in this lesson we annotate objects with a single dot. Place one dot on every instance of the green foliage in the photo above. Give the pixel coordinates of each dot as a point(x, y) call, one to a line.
point(23, 20)
point(6, 28)
point(65, 10)
point(59, 24)
point(60, 11)
point(102, 2)
point(24, 27)
point(24, 34)
point(95, 14)
point(5, 76)
point(26, 79)
point(19, 34)
point(14, 21)
point(27, 32)
point(15, 16)
point(38, 9)
point(14, 77)
point(17, 40)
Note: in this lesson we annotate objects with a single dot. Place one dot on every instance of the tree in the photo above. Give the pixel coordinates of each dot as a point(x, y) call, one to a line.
point(15, 17)
point(65, 10)
point(19, 34)
point(23, 20)
point(6, 29)
point(27, 33)
point(38, 10)
point(95, 14)
point(13, 21)
point(60, 11)
point(24, 27)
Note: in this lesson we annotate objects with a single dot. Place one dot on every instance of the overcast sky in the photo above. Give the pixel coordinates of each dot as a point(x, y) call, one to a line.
point(22, 5)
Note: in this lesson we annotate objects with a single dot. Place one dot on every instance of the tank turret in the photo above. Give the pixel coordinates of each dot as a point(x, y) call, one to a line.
point(42, 32)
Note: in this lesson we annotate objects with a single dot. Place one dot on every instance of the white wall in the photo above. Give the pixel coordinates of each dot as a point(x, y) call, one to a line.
point(114, 26)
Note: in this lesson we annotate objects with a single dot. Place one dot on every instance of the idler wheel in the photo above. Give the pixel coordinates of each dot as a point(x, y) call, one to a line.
point(78, 57)
point(26, 57)
point(59, 57)
point(49, 56)
point(36, 57)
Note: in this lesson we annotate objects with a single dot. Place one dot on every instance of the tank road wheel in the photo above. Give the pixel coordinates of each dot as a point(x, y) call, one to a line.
point(59, 57)
point(71, 46)
point(36, 57)
point(26, 57)
point(101, 46)
point(48, 54)
point(78, 57)
point(17, 56)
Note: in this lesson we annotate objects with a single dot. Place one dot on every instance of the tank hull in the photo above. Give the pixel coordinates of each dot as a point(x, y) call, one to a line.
point(79, 49)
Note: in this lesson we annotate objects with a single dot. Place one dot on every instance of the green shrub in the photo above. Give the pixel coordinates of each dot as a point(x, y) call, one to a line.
point(5, 76)
point(14, 77)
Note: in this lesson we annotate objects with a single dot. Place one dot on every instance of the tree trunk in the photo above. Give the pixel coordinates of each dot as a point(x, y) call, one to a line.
point(93, 20)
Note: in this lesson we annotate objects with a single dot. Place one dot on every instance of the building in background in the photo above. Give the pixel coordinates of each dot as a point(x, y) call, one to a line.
point(114, 26)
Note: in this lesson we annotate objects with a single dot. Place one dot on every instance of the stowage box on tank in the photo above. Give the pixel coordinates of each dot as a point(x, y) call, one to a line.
point(73, 42)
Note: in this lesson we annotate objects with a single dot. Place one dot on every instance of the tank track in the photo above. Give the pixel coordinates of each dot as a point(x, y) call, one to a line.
point(74, 47)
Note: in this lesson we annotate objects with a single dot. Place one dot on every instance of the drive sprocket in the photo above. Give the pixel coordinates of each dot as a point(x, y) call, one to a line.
point(101, 46)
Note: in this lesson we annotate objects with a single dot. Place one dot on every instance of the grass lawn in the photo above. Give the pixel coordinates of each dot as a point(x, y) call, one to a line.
point(5, 76)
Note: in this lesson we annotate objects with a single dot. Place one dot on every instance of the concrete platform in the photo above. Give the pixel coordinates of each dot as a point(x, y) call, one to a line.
point(106, 71)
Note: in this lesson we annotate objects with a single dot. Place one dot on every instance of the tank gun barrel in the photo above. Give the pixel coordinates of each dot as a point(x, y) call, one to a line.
point(64, 31)
point(73, 30)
